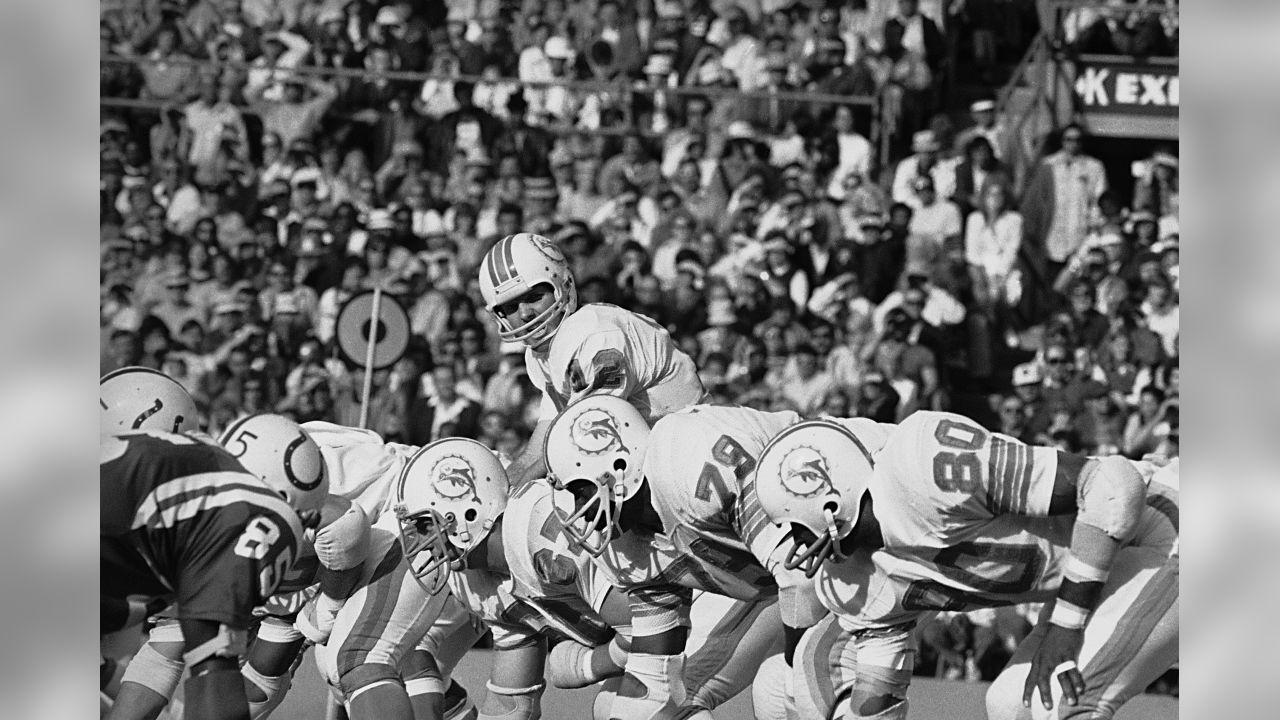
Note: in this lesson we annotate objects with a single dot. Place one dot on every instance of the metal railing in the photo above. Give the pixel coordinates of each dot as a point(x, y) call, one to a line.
point(623, 89)
point(1045, 69)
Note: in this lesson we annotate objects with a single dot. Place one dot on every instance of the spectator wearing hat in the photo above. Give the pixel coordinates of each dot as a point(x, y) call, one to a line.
point(294, 115)
point(924, 160)
point(1057, 205)
point(985, 125)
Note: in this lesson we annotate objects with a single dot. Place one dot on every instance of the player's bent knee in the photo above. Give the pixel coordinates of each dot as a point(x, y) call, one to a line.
point(270, 690)
point(362, 678)
point(155, 671)
point(771, 691)
point(503, 703)
point(1004, 697)
point(896, 711)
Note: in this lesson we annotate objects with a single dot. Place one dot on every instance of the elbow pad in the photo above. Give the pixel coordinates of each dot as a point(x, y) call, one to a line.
point(1111, 496)
point(343, 543)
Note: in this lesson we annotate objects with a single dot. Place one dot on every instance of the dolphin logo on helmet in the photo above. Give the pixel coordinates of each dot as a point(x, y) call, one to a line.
point(805, 473)
point(455, 478)
point(596, 431)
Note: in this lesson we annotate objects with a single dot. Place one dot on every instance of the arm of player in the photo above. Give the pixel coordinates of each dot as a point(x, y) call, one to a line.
point(215, 690)
point(1107, 496)
point(342, 542)
point(531, 464)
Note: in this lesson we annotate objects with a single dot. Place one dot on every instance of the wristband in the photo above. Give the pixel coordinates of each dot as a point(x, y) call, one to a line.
point(1068, 616)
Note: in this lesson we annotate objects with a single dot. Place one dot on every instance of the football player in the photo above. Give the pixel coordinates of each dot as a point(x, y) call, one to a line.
point(182, 521)
point(572, 351)
point(373, 648)
point(139, 398)
point(944, 515)
point(673, 508)
point(277, 451)
point(509, 563)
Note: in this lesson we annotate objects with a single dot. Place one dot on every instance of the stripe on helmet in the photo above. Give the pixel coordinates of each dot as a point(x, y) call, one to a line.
point(508, 260)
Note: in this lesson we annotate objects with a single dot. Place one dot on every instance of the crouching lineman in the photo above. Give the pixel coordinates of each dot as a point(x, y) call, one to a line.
point(372, 648)
point(945, 515)
point(277, 451)
point(182, 520)
point(573, 352)
point(671, 509)
point(509, 563)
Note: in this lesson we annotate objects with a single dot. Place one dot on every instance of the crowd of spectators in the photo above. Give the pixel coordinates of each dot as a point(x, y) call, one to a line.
point(247, 198)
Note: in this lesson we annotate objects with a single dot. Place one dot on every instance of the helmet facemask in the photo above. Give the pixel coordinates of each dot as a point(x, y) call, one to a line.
point(424, 537)
point(808, 555)
point(589, 521)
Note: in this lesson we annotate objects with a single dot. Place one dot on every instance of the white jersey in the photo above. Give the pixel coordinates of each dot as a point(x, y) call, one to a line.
point(699, 465)
point(362, 467)
point(964, 514)
point(558, 589)
point(604, 349)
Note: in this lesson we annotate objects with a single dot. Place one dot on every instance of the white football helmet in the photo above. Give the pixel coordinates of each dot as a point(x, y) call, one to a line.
point(279, 452)
point(513, 267)
point(138, 398)
point(813, 475)
point(594, 451)
point(448, 498)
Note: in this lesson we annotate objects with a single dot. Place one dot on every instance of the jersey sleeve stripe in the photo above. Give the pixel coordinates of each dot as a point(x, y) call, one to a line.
point(998, 493)
point(1023, 474)
point(183, 497)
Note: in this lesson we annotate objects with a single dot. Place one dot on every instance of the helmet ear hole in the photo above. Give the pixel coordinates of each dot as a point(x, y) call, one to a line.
point(620, 464)
point(831, 505)
point(470, 514)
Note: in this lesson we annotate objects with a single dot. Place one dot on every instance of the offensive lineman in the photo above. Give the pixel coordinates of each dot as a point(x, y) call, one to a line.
point(510, 563)
point(944, 515)
point(673, 508)
point(572, 351)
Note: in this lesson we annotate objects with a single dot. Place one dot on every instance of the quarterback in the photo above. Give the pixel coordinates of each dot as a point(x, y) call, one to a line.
point(572, 352)
point(943, 515)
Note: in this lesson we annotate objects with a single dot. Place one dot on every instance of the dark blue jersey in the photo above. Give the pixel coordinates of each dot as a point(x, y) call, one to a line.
point(183, 521)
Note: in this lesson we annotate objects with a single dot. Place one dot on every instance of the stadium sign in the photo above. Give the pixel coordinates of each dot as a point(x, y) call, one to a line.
point(1121, 97)
point(1128, 88)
